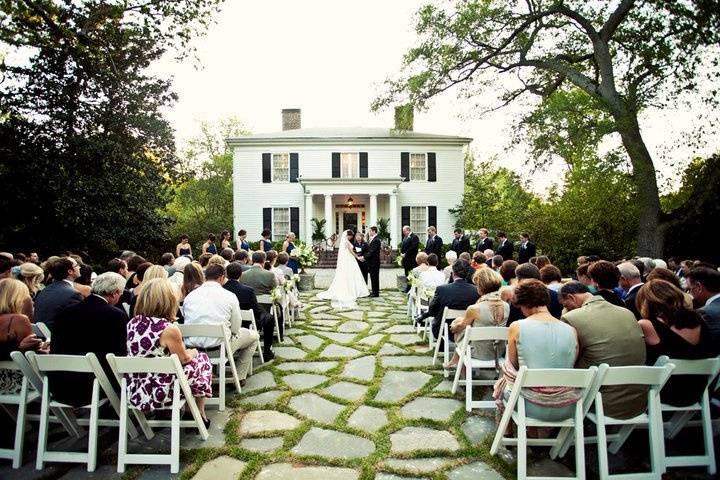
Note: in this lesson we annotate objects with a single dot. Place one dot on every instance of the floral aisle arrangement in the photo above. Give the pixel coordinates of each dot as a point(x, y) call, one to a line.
point(306, 256)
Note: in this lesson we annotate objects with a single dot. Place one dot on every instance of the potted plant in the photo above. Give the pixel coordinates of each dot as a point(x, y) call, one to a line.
point(306, 257)
point(318, 230)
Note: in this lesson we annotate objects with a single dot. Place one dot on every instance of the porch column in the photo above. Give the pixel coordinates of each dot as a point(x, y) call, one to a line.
point(328, 215)
point(373, 210)
point(394, 220)
point(308, 218)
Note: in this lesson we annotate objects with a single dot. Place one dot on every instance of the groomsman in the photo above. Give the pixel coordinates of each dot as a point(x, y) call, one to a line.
point(409, 249)
point(460, 243)
point(526, 250)
point(485, 242)
point(505, 248)
point(434, 242)
point(372, 261)
point(360, 246)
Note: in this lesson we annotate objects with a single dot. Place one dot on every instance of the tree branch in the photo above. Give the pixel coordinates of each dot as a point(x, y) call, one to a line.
point(615, 19)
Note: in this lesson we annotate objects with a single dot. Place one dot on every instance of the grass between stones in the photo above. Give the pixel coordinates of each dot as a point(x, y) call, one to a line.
point(386, 311)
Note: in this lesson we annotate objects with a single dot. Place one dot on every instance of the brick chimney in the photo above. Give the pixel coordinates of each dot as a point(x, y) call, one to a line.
point(404, 118)
point(290, 119)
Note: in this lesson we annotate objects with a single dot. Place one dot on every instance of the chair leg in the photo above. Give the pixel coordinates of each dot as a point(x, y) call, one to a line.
point(20, 426)
point(655, 436)
point(708, 433)
point(579, 443)
point(677, 423)
point(122, 436)
point(603, 467)
point(521, 441)
point(623, 435)
point(502, 428)
point(43, 431)
point(222, 379)
point(93, 431)
point(175, 430)
point(446, 349)
point(458, 370)
point(468, 379)
point(437, 346)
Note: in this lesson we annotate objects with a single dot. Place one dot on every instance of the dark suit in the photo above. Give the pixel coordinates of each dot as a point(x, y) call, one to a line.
point(630, 301)
point(484, 244)
point(610, 297)
point(505, 249)
point(360, 249)
point(711, 314)
point(460, 245)
point(457, 295)
point(409, 247)
point(434, 245)
point(248, 301)
point(52, 299)
point(94, 326)
point(526, 252)
point(372, 261)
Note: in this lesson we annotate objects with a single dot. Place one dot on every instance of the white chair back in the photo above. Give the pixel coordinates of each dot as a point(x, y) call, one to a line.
point(448, 314)
point(249, 316)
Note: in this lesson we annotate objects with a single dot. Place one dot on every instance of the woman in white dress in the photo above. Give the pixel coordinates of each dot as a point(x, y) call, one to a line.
point(348, 284)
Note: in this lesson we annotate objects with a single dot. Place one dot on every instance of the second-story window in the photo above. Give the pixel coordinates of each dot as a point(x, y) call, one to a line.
point(418, 170)
point(349, 165)
point(281, 167)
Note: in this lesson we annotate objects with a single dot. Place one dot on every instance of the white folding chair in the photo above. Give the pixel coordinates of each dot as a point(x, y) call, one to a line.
point(556, 377)
point(411, 310)
point(77, 364)
point(652, 377)
point(220, 358)
point(496, 335)
point(448, 314)
point(709, 368)
point(249, 316)
point(21, 400)
point(284, 305)
point(274, 311)
point(422, 305)
point(166, 365)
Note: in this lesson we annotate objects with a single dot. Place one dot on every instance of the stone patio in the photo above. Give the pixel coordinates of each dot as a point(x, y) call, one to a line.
point(349, 395)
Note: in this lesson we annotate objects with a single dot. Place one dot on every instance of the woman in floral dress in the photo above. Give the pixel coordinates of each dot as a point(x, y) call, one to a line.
point(151, 333)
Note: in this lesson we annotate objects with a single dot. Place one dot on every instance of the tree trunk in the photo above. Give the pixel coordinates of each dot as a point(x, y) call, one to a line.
point(650, 234)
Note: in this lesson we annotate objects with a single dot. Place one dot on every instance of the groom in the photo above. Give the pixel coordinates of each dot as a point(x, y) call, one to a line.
point(372, 260)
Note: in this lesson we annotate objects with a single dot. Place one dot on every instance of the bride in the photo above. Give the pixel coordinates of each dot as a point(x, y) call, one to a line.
point(348, 284)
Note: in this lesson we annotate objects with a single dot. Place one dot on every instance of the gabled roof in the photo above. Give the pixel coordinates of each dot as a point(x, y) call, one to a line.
point(345, 136)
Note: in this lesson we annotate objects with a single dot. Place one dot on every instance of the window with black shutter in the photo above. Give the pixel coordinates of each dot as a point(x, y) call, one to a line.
point(405, 166)
point(267, 218)
point(432, 167)
point(336, 165)
point(266, 167)
point(432, 216)
point(405, 216)
point(294, 167)
point(363, 165)
point(295, 220)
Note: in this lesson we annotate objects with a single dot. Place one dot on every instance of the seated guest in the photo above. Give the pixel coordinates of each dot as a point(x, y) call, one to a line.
point(539, 340)
point(204, 259)
point(528, 271)
point(270, 261)
point(60, 293)
point(471, 271)
point(630, 281)
point(179, 266)
point(96, 326)
point(133, 262)
point(118, 266)
point(451, 257)
point(432, 277)
point(457, 295)
point(542, 261)
point(211, 304)
point(507, 272)
point(216, 260)
point(582, 275)
point(15, 331)
point(145, 272)
point(422, 264)
point(497, 262)
point(248, 301)
point(281, 264)
point(257, 278)
point(609, 334)
point(31, 275)
point(672, 328)
point(151, 333)
point(489, 254)
point(227, 255)
point(243, 257)
point(478, 258)
point(704, 285)
point(551, 276)
point(488, 311)
point(604, 277)
point(167, 261)
point(193, 277)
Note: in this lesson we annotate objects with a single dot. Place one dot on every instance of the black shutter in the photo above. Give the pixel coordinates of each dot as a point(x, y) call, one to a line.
point(405, 216)
point(363, 165)
point(432, 217)
point(294, 168)
point(267, 219)
point(432, 167)
point(405, 166)
point(266, 167)
point(295, 221)
point(336, 165)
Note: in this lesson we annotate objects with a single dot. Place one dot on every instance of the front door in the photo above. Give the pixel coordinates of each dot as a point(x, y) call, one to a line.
point(350, 221)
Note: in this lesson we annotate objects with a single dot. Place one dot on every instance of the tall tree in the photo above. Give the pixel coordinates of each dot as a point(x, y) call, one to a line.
point(624, 54)
point(87, 157)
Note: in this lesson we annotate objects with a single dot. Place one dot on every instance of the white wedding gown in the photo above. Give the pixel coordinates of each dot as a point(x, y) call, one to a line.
point(348, 284)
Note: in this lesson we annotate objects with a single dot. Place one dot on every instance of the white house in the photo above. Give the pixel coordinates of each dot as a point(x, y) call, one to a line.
point(349, 176)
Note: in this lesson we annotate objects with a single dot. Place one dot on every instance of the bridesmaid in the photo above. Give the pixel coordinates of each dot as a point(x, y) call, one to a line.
point(288, 247)
point(209, 246)
point(224, 240)
point(242, 243)
point(183, 248)
point(265, 243)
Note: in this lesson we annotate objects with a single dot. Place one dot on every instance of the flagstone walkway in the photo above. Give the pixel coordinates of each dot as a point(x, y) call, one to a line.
point(352, 395)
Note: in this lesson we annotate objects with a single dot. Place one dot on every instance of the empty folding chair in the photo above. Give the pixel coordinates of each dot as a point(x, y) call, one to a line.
point(77, 364)
point(157, 365)
point(709, 369)
point(515, 411)
point(274, 311)
point(249, 316)
point(497, 335)
point(448, 314)
point(221, 358)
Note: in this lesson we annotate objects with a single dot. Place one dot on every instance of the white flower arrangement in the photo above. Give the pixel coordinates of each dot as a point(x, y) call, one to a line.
point(306, 256)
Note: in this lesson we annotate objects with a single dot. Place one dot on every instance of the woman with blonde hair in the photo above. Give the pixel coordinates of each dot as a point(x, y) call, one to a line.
point(217, 260)
point(31, 275)
point(488, 311)
point(15, 330)
point(152, 333)
point(422, 263)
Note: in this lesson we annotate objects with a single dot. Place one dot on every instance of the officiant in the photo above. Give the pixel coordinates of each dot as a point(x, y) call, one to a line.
point(360, 246)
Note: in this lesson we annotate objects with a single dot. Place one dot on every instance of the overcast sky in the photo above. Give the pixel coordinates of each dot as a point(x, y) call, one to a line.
point(329, 57)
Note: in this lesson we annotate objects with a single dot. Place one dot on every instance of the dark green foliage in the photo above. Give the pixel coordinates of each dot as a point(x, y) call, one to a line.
point(318, 226)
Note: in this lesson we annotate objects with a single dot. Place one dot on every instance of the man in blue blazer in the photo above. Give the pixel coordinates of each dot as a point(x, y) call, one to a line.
point(60, 293)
